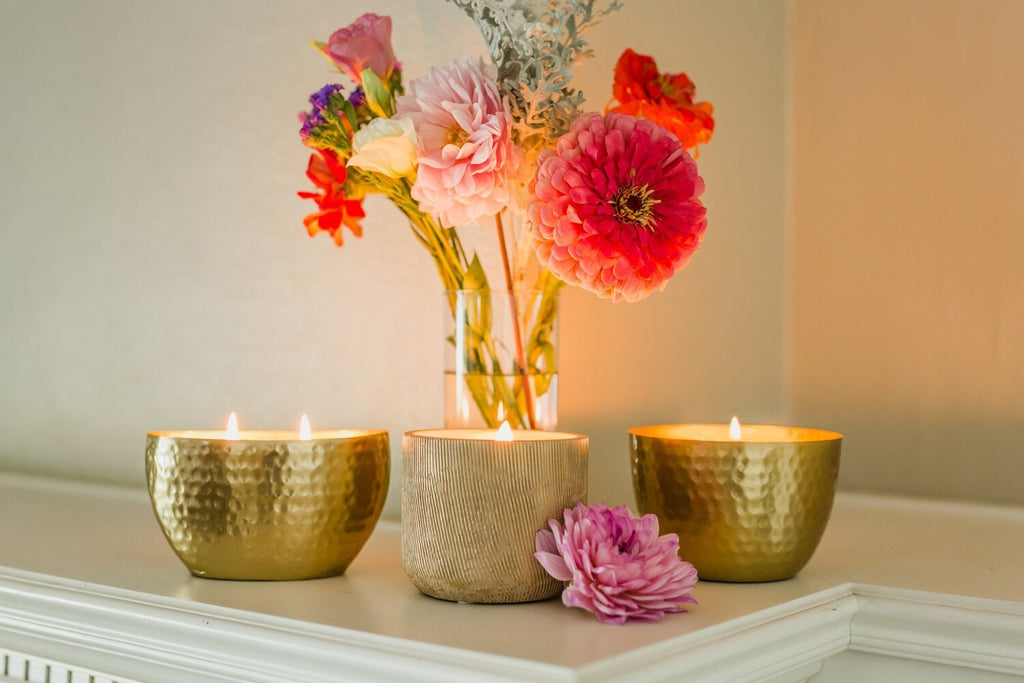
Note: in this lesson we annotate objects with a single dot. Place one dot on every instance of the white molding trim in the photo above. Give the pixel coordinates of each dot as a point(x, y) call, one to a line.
point(783, 643)
point(129, 635)
point(986, 635)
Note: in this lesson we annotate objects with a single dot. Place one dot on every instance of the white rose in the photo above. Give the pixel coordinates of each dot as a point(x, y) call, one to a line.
point(386, 146)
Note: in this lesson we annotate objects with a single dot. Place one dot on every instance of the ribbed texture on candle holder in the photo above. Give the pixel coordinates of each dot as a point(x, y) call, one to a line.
point(744, 512)
point(266, 510)
point(471, 510)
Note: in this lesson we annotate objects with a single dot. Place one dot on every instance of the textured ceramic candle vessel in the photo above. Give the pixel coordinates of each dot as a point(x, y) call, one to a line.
point(752, 509)
point(472, 507)
point(267, 505)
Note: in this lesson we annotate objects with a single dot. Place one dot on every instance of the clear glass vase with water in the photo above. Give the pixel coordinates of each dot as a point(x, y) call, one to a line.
point(501, 360)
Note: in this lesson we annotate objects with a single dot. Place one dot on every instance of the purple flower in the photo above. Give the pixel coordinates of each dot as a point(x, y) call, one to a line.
point(321, 98)
point(620, 568)
point(309, 122)
point(320, 101)
point(358, 97)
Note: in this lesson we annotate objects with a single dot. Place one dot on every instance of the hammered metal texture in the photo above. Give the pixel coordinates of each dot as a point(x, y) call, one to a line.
point(471, 511)
point(267, 510)
point(743, 511)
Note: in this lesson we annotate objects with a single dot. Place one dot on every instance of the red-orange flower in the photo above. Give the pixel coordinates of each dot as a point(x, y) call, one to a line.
point(335, 209)
point(667, 99)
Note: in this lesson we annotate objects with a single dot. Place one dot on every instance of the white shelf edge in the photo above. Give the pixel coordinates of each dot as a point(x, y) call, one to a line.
point(130, 635)
point(126, 634)
point(782, 643)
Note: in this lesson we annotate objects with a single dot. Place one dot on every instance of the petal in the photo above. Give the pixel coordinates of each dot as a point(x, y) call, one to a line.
point(554, 565)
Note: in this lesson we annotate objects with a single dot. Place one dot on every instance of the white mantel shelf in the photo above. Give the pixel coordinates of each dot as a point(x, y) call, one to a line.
point(90, 588)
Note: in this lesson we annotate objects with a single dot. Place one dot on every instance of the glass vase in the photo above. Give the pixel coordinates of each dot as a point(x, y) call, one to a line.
point(501, 358)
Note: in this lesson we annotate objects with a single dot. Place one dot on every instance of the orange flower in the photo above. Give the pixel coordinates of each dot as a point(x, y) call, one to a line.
point(667, 99)
point(335, 209)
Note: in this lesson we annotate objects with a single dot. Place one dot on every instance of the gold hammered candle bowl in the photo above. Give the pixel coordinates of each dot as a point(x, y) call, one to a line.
point(472, 507)
point(745, 510)
point(268, 505)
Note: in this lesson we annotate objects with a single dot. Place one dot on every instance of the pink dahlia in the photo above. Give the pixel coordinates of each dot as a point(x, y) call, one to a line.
point(620, 568)
point(467, 162)
point(614, 208)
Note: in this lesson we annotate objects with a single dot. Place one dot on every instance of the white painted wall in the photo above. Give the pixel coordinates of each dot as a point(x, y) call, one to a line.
point(154, 273)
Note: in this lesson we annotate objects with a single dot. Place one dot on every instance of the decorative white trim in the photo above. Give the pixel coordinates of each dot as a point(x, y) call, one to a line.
point(783, 643)
point(25, 669)
point(130, 635)
point(986, 635)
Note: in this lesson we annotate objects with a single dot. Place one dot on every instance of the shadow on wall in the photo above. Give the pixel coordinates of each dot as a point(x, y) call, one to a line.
point(928, 455)
point(611, 479)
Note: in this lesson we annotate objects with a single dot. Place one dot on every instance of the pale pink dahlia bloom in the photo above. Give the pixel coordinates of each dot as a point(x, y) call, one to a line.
point(620, 568)
point(614, 208)
point(467, 162)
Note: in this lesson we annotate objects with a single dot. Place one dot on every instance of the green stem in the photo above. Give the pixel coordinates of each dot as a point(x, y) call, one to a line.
point(486, 379)
point(516, 332)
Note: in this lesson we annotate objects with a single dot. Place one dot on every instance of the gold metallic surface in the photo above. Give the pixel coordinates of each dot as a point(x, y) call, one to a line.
point(744, 511)
point(268, 506)
point(471, 510)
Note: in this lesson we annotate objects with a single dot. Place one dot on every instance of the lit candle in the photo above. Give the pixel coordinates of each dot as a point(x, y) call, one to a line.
point(473, 502)
point(232, 433)
point(749, 502)
point(259, 504)
point(232, 429)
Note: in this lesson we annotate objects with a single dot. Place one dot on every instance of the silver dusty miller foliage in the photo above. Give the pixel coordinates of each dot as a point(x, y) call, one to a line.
point(535, 44)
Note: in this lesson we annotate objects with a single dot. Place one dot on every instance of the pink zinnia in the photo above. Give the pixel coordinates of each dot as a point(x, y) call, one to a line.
point(467, 162)
point(620, 568)
point(614, 208)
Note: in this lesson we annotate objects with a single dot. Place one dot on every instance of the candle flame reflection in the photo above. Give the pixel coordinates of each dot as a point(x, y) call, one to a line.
point(232, 430)
point(735, 432)
point(504, 432)
point(305, 433)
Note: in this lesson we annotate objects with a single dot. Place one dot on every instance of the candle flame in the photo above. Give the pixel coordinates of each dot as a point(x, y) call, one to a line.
point(305, 433)
point(735, 433)
point(232, 431)
point(501, 411)
point(504, 432)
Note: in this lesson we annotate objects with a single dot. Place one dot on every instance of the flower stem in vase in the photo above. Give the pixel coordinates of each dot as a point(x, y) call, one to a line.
point(514, 308)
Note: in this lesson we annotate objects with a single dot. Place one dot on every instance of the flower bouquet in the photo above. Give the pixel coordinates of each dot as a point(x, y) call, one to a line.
point(604, 201)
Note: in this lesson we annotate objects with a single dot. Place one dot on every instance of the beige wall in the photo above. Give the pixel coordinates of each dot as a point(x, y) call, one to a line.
point(711, 344)
point(907, 313)
point(154, 272)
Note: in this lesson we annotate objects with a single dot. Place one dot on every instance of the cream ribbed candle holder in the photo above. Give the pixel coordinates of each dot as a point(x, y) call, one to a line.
point(472, 507)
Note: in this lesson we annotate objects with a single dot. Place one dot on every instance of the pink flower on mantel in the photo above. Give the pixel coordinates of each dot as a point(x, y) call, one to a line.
point(364, 44)
point(614, 208)
point(467, 163)
point(620, 568)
